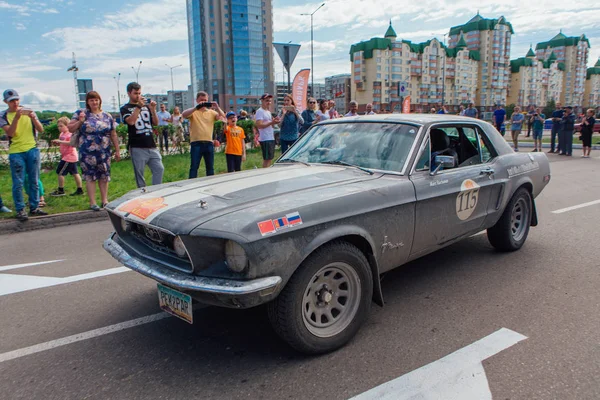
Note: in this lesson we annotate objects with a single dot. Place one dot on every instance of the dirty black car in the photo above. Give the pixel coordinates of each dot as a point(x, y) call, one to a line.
point(311, 236)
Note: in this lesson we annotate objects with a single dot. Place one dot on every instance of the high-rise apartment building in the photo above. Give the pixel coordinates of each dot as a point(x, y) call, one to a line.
point(592, 87)
point(431, 73)
point(231, 55)
point(492, 39)
point(573, 53)
point(337, 87)
point(535, 82)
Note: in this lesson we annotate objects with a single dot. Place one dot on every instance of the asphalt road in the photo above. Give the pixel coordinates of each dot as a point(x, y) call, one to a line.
point(547, 291)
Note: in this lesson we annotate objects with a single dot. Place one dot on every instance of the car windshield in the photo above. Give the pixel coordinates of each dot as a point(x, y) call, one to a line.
point(380, 146)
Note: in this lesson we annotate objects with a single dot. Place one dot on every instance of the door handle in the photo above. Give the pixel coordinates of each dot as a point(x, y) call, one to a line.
point(487, 171)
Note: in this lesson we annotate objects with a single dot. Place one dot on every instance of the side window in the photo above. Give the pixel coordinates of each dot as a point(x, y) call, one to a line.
point(487, 150)
point(470, 151)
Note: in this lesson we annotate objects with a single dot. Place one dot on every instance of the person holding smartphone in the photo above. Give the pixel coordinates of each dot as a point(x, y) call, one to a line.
point(21, 125)
point(290, 122)
point(202, 119)
point(140, 116)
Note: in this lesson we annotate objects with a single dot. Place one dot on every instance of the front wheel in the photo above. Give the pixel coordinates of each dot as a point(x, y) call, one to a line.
point(511, 230)
point(326, 300)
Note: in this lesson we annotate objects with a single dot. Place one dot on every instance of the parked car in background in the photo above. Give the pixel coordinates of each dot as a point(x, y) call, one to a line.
point(310, 237)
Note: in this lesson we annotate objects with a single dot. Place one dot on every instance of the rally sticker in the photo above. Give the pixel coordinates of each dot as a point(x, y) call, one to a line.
point(143, 208)
point(275, 225)
point(467, 199)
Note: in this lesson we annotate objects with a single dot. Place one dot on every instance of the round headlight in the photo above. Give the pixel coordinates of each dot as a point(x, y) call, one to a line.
point(179, 247)
point(125, 225)
point(235, 256)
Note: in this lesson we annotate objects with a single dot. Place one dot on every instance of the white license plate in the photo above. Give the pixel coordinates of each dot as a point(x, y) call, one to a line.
point(175, 303)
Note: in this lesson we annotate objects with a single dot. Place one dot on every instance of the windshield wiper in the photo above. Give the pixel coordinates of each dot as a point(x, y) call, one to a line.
point(339, 162)
point(291, 160)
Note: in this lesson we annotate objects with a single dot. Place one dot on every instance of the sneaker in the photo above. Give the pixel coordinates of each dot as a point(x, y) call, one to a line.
point(516, 149)
point(37, 212)
point(104, 205)
point(551, 151)
point(78, 192)
point(5, 209)
point(22, 215)
point(58, 193)
point(535, 151)
point(42, 203)
point(95, 207)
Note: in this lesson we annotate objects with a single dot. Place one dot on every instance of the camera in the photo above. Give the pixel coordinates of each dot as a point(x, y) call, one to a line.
point(206, 104)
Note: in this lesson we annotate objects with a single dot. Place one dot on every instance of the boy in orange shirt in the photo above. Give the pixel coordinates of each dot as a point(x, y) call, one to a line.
point(235, 150)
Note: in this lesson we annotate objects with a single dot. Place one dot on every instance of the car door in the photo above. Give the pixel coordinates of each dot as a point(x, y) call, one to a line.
point(452, 202)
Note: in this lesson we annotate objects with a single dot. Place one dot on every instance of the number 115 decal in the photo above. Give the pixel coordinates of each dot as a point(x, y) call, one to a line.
point(467, 199)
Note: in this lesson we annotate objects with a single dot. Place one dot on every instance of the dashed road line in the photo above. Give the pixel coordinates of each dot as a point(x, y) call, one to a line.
point(564, 210)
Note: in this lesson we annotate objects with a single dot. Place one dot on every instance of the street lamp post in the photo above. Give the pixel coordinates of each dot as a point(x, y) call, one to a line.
point(312, 68)
point(137, 72)
point(118, 79)
point(172, 68)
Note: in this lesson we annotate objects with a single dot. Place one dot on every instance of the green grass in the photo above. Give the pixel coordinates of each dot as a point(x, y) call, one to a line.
point(122, 181)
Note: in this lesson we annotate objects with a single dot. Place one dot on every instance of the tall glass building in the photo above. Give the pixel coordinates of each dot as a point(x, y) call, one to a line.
point(231, 55)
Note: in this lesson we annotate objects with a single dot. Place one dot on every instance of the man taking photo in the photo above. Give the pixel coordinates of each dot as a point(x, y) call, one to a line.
point(202, 124)
point(21, 125)
point(140, 116)
point(266, 133)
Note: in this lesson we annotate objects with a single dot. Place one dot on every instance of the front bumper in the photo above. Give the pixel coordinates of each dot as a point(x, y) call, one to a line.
point(216, 291)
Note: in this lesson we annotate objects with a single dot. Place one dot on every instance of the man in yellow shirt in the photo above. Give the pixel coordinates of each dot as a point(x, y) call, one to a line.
point(21, 125)
point(202, 123)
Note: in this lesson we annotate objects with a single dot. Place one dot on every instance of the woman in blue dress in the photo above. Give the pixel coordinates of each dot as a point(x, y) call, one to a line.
point(96, 130)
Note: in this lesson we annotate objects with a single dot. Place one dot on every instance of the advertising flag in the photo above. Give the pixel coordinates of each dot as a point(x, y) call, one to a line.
point(406, 105)
point(300, 88)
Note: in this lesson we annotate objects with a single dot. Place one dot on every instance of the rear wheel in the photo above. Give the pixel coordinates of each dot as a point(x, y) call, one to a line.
point(326, 300)
point(510, 232)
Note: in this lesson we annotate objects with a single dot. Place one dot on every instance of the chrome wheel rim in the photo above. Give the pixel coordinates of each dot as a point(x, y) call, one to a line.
point(519, 219)
point(331, 300)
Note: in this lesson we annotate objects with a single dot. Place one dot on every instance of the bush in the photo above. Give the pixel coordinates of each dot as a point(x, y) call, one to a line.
point(248, 126)
point(50, 133)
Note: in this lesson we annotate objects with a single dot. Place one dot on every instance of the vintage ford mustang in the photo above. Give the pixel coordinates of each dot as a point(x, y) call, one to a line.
point(310, 236)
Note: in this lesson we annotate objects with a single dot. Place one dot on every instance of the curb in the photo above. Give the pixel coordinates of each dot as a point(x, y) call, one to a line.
point(51, 221)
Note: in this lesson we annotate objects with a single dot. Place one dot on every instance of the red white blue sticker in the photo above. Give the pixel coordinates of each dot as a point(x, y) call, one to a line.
point(275, 225)
point(294, 219)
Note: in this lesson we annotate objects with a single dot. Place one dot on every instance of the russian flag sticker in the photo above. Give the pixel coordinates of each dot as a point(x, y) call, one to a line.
point(266, 227)
point(294, 219)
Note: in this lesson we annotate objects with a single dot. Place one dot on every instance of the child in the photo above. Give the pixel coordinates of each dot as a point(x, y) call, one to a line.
point(235, 150)
point(68, 163)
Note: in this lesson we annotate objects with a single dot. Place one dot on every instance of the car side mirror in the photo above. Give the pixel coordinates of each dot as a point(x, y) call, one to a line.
point(442, 162)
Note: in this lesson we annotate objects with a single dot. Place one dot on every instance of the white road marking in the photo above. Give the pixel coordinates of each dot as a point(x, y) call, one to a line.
point(16, 266)
point(459, 375)
point(564, 210)
point(11, 355)
point(11, 283)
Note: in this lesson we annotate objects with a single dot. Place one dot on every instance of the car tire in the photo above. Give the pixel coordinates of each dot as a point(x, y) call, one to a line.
point(326, 300)
point(510, 232)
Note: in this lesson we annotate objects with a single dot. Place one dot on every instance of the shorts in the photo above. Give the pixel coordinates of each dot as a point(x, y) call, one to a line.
point(65, 168)
point(268, 149)
point(537, 135)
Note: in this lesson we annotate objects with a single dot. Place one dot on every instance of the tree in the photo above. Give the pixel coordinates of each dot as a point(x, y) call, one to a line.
point(549, 109)
point(509, 110)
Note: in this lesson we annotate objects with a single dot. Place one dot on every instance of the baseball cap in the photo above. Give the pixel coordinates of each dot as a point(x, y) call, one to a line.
point(230, 114)
point(266, 96)
point(10, 95)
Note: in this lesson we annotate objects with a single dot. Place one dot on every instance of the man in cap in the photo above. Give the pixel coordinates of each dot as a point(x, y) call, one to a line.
point(266, 133)
point(471, 111)
point(21, 125)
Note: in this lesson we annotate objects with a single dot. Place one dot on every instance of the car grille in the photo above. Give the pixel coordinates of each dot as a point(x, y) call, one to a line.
point(151, 243)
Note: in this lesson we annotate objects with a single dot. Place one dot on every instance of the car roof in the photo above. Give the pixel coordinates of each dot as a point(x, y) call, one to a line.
point(420, 119)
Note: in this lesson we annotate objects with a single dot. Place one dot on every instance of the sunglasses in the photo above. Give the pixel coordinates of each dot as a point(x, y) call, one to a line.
point(312, 102)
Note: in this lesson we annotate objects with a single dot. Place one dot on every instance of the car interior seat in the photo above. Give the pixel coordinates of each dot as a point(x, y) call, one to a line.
point(440, 145)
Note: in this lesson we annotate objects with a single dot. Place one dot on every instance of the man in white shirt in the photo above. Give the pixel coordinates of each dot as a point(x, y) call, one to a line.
point(266, 134)
point(163, 127)
point(353, 108)
point(370, 109)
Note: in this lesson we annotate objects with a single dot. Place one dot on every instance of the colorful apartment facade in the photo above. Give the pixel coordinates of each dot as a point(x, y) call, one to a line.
point(429, 72)
point(573, 53)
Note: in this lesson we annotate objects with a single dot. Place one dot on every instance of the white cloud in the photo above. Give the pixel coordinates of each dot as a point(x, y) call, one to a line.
point(50, 11)
point(162, 21)
point(40, 99)
point(20, 27)
point(25, 9)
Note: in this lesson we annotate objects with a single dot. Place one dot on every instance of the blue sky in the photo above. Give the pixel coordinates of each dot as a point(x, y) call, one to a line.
point(111, 36)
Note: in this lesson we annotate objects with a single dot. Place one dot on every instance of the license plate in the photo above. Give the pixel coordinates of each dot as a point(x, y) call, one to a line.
point(175, 303)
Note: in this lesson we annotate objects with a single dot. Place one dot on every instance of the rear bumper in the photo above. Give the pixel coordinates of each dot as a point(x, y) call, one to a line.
point(208, 290)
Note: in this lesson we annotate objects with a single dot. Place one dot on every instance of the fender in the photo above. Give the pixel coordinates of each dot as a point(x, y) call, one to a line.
point(341, 231)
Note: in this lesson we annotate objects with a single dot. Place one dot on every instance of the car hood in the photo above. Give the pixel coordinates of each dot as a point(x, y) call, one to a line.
point(182, 206)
